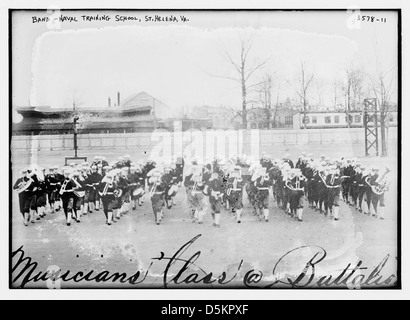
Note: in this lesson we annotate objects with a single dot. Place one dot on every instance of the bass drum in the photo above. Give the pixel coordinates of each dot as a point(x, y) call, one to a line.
point(173, 190)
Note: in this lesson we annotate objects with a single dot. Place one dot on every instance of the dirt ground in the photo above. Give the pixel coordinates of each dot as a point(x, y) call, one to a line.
point(135, 241)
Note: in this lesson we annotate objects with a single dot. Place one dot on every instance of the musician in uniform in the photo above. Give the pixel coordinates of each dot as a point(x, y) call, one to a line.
point(106, 190)
point(286, 158)
point(235, 191)
point(263, 184)
point(215, 197)
point(24, 186)
point(79, 193)
point(378, 184)
point(295, 184)
point(308, 172)
point(322, 190)
point(361, 187)
point(286, 194)
point(348, 171)
point(179, 169)
point(53, 186)
point(92, 196)
point(124, 200)
point(135, 186)
point(354, 188)
point(67, 195)
point(275, 175)
point(333, 184)
point(301, 162)
point(157, 188)
point(41, 194)
point(171, 183)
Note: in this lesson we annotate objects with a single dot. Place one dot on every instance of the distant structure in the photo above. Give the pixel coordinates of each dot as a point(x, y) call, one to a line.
point(138, 113)
point(263, 118)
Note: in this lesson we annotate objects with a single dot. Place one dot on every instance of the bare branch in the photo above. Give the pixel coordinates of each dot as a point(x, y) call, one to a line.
point(256, 68)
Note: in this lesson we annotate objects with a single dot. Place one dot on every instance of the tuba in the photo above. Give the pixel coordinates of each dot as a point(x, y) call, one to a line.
point(382, 184)
point(23, 185)
point(297, 186)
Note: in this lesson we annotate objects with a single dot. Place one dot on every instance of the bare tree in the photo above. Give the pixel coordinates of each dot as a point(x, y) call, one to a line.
point(357, 88)
point(337, 86)
point(265, 95)
point(304, 81)
point(352, 90)
point(244, 72)
point(382, 86)
point(319, 85)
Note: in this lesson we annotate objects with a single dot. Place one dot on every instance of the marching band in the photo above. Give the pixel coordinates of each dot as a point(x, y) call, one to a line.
point(215, 187)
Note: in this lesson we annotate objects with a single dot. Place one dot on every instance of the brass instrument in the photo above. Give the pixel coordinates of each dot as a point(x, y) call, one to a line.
point(76, 192)
point(64, 186)
point(332, 181)
point(154, 188)
point(234, 185)
point(117, 193)
point(382, 185)
point(24, 185)
point(107, 185)
point(297, 187)
point(216, 195)
point(194, 188)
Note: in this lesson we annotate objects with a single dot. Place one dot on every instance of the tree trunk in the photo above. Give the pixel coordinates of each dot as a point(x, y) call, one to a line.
point(244, 115)
point(383, 135)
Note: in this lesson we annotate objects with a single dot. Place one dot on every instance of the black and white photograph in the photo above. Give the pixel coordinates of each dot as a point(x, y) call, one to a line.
point(205, 148)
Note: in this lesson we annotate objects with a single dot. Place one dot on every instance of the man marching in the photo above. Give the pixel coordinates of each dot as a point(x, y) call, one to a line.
point(296, 185)
point(24, 186)
point(106, 190)
point(215, 197)
point(157, 189)
point(263, 184)
point(235, 191)
point(67, 195)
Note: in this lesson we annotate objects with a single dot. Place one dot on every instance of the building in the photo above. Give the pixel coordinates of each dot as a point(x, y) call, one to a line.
point(263, 118)
point(220, 117)
point(138, 113)
point(336, 119)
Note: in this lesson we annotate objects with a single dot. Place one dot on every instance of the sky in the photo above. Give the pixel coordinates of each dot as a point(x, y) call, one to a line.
point(183, 64)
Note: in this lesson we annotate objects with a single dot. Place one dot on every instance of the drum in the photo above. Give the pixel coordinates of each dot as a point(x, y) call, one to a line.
point(173, 190)
point(138, 192)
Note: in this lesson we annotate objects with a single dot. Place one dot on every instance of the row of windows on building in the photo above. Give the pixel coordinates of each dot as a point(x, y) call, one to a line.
point(336, 119)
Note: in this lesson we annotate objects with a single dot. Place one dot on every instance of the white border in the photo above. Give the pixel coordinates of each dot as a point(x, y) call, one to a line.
point(194, 294)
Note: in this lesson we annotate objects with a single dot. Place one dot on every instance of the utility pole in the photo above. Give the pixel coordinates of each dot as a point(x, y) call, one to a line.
point(75, 123)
